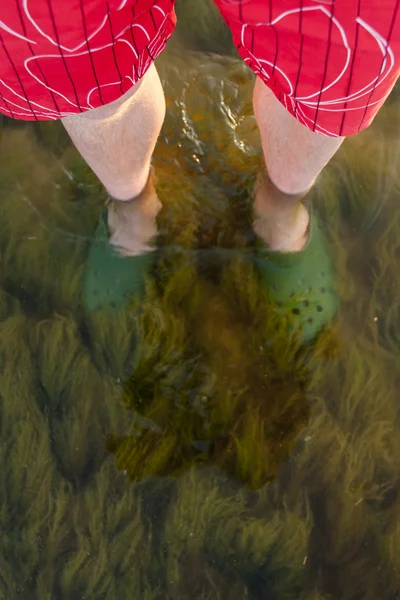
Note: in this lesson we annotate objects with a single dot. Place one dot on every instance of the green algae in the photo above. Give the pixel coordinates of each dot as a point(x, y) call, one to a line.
point(189, 449)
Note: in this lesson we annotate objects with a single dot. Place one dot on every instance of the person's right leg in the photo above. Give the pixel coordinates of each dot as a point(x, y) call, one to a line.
point(117, 142)
point(91, 65)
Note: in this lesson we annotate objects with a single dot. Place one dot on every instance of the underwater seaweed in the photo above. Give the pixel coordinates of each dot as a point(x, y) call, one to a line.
point(188, 448)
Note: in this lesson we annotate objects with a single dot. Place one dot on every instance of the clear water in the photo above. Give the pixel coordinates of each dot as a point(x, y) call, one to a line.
point(191, 451)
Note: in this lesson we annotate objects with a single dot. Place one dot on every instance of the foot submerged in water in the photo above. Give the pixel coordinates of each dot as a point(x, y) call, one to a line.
point(121, 256)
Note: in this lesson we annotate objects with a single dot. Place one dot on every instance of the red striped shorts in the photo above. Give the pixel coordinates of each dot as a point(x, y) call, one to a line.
point(331, 63)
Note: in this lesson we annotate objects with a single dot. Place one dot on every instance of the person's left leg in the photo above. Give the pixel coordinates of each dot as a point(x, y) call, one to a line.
point(322, 71)
point(294, 156)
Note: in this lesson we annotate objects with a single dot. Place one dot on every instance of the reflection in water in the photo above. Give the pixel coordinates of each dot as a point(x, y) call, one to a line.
point(241, 466)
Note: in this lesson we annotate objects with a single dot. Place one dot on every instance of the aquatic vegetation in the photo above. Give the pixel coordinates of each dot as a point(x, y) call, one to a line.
point(201, 27)
point(187, 448)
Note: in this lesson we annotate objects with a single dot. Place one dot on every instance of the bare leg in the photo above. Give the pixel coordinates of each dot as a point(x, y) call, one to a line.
point(117, 142)
point(294, 157)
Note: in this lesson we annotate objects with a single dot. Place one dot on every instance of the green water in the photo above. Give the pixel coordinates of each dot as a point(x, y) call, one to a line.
point(191, 450)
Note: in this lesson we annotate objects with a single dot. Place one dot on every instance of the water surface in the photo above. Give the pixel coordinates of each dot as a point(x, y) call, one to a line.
point(191, 450)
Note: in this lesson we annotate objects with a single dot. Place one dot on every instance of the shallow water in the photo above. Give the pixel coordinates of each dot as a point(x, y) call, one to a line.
point(191, 450)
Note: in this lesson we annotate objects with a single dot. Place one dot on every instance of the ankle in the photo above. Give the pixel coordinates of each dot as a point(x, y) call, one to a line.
point(270, 201)
point(281, 220)
point(145, 201)
point(132, 223)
